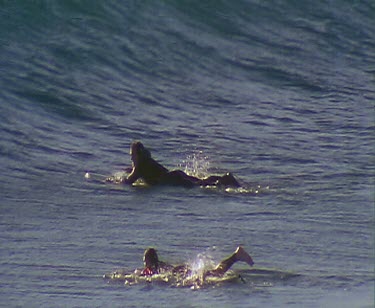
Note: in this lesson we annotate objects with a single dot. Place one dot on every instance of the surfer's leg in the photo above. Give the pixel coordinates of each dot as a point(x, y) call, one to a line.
point(225, 180)
point(239, 255)
point(211, 180)
point(179, 178)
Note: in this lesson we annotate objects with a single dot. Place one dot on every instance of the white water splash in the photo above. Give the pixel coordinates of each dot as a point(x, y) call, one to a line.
point(196, 165)
point(198, 268)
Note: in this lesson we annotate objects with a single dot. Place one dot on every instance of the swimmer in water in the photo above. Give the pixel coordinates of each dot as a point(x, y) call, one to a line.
point(152, 173)
point(152, 264)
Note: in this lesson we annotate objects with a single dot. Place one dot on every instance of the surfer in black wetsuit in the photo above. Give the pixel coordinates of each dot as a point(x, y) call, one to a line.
point(152, 264)
point(153, 173)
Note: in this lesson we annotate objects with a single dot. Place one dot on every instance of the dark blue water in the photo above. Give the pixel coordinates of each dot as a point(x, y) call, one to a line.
point(280, 94)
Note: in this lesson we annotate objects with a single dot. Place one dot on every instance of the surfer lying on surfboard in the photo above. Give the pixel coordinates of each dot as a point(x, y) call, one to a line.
point(152, 173)
point(196, 274)
point(153, 266)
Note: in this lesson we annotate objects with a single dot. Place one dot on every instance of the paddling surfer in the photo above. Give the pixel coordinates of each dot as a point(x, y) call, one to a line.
point(152, 173)
point(152, 264)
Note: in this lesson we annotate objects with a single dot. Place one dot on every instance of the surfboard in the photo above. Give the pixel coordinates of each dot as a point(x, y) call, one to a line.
point(115, 178)
point(267, 277)
point(177, 280)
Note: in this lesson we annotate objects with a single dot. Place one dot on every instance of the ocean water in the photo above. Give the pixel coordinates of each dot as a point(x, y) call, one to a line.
point(280, 94)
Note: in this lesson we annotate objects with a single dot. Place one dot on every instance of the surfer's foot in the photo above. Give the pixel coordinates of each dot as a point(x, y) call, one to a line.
point(242, 255)
point(229, 180)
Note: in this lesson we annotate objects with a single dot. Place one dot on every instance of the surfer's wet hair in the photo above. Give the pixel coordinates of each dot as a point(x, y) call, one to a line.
point(138, 148)
point(150, 257)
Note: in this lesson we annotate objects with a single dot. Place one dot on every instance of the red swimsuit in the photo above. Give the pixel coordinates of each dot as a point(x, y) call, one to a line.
point(148, 271)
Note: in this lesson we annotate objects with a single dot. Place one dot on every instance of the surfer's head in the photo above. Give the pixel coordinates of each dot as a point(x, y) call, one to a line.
point(139, 152)
point(150, 258)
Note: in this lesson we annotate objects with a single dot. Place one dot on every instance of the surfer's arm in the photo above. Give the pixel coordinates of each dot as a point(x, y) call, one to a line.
point(128, 169)
point(133, 176)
